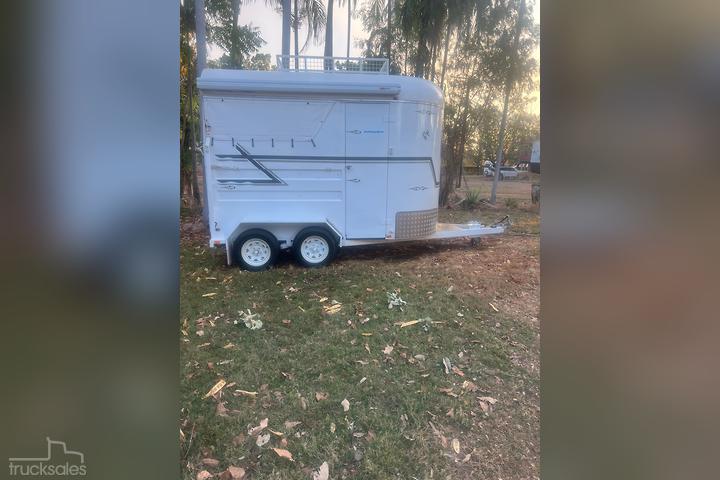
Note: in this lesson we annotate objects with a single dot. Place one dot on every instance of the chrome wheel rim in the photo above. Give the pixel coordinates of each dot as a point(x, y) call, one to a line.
point(255, 252)
point(314, 249)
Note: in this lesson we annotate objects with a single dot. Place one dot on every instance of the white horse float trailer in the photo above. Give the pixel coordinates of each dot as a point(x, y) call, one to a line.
point(315, 160)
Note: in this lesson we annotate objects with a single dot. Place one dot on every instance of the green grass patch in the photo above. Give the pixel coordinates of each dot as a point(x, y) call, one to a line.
point(301, 350)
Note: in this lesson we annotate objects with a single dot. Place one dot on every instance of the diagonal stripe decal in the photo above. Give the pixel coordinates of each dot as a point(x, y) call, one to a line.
point(271, 179)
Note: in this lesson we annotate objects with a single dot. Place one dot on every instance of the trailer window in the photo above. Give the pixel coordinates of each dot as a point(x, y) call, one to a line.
point(264, 118)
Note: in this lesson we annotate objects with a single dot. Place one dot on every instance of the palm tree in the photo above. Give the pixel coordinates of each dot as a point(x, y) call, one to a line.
point(200, 37)
point(351, 5)
point(383, 9)
point(295, 26)
point(329, 36)
point(313, 12)
point(285, 32)
point(389, 30)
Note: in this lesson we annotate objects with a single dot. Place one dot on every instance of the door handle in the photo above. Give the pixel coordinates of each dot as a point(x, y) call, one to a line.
point(356, 180)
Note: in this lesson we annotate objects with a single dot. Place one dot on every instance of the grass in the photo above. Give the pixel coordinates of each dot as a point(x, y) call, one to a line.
point(472, 199)
point(301, 350)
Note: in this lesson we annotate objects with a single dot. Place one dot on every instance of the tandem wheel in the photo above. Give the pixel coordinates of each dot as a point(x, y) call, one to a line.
point(314, 247)
point(256, 249)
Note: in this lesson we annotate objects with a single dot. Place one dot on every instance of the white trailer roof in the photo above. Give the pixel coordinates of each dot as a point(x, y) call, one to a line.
point(314, 82)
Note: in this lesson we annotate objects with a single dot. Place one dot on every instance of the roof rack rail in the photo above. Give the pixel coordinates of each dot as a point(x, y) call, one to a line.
point(302, 63)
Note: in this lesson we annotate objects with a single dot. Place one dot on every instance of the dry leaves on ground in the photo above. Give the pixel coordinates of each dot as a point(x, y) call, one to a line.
point(322, 473)
point(221, 411)
point(255, 430)
point(215, 389)
point(407, 324)
point(244, 393)
point(281, 452)
point(262, 439)
point(394, 300)
point(486, 404)
point(233, 473)
point(447, 365)
point(345, 404)
point(332, 309)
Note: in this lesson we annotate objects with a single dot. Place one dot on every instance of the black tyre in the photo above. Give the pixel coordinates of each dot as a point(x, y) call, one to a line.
point(315, 247)
point(256, 250)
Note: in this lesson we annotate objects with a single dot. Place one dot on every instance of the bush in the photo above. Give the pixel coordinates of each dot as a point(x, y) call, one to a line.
point(472, 199)
point(511, 203)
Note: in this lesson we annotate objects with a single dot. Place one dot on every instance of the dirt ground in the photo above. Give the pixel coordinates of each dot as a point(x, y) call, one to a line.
point(519, 189)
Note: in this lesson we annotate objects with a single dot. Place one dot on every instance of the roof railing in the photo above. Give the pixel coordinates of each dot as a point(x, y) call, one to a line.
point(303, 63)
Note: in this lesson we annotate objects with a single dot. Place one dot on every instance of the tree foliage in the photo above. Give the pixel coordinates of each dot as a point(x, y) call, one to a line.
point(465, 46)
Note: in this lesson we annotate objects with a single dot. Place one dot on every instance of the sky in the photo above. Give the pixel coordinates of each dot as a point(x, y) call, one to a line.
point(269, 21)
point(258, 14)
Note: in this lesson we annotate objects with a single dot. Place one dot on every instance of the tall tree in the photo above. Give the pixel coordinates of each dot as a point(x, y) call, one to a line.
point(200, 36)
point(296, 27)
point(329, 36)
point(388, 46)
point(286, 32)
point(234, 46)
point(457, 12)
point(513, 60)
point(238, 42)
point(351, 4)
point(311, 14)
point(422, 21)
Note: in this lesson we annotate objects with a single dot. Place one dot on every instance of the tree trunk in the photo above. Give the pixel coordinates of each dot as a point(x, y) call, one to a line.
point(286, 32)
point(446, 176)
point(420, 57)
point(200, 39)
point(295, 31)
point(193, 145)
point(349, 2)
point(445, 55)
point(389, 31)
point(463, 133)
point(184, 138)
point(432, 62)
point(234, 47)
point(508, 88)
point(329, 36)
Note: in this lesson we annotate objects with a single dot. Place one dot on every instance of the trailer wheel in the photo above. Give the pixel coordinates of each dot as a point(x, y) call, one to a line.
point(314, 247)
point(256, 250)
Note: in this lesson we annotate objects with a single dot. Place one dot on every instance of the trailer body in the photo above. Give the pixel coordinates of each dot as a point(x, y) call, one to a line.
point(355, 154)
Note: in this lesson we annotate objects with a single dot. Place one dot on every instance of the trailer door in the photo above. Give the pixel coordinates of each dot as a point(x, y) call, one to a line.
point(366, 170)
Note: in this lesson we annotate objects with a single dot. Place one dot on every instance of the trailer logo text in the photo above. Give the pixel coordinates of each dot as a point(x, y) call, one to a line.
point(57, 463)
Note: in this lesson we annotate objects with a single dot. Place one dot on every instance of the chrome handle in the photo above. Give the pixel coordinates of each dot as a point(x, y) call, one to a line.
point(356, 180)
